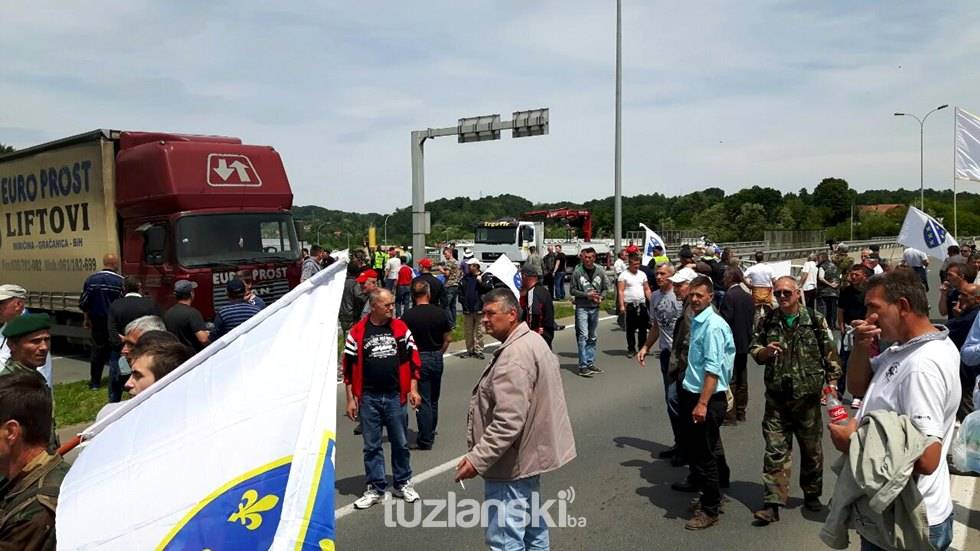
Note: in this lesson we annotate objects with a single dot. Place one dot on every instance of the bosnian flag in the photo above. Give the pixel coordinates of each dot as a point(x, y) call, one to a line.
point(923, 232)
point(652, 240)
point(232, 450)
point(505, 270)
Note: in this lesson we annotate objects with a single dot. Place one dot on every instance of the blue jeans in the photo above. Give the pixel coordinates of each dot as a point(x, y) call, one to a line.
point(452, 293)
point(559, 285)
point(403, 300)
point(940, 536)
point(670, 397)
point(117, 381)
point(377, 412)
point(586, 322)
point(390, 284)
point(430, 386)
point(507, 529)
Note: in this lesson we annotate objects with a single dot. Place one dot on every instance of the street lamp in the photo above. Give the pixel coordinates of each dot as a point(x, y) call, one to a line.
point(922, 124)
point(318, 228)
point(618, 160)
point(386, 229)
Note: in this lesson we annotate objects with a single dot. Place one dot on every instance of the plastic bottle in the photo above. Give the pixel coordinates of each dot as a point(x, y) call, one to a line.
point(835, 410)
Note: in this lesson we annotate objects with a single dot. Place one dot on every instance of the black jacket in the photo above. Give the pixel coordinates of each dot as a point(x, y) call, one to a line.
point(126, 309)
point(738, 309)
point(471, 291)
point(540, 316)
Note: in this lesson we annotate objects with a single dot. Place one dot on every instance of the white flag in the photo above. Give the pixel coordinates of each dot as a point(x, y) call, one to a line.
point(652, 240)
point(504, 270)
point(781, 268)
point(233, 450)
point(923, 232)
point(967, 146)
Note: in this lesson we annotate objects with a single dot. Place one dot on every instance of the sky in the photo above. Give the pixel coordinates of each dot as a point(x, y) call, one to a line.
point(715, 94)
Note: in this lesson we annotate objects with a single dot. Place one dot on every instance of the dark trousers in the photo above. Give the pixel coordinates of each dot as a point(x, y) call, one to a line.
point(559, 285)
point(101, 349)
point(828, 307)
point(430, 386)
point(809, 297)
point(637, 322)
point(702, 444)
point(117, 380)
point(740, 384)
point(670, 398)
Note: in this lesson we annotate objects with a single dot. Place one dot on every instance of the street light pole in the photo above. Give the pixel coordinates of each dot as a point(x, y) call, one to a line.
point(618, 199)
point(922, 126)
point(386, 229)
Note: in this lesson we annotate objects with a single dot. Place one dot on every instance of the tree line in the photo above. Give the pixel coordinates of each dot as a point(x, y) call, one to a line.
point(741, 216)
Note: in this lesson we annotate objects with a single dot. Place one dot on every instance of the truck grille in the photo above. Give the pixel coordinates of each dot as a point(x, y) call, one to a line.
point(269, 291)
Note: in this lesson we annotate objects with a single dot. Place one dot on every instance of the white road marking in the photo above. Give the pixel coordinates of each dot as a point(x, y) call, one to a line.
point(418, 479)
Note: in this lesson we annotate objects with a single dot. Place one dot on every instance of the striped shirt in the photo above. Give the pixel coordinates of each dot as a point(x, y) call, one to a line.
point(231, 316)
point(98, 292)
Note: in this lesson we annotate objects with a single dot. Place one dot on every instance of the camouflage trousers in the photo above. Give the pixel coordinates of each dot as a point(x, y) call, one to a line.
point(784, 418)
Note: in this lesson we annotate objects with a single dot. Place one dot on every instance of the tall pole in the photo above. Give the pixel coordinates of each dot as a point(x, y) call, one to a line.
point(386, 229)
point(922, 185)
point(922, 126)
point(418, 195)
point(955, 225)
point(618, 200)
point(852, 220)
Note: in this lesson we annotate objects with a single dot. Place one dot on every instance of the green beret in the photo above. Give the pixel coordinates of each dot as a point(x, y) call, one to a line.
point(23, 325)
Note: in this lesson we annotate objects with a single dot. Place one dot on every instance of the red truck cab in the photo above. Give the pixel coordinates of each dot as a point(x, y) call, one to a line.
point(203, 208)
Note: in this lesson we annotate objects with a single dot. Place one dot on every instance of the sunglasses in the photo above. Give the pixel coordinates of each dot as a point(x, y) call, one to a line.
point(783, 294)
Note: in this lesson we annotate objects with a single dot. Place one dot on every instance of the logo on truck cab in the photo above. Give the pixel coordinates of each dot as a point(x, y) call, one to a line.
point(229, 170)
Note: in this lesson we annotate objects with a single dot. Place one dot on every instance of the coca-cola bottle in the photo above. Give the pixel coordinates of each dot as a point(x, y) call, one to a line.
point(835, 410)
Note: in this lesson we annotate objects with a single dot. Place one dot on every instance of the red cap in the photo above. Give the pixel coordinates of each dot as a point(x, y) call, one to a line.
point(632, 249)
point(366, 275)
point(425, 262)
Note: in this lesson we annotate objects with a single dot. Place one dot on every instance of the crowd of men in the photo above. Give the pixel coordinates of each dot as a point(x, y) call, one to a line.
point(839, 327)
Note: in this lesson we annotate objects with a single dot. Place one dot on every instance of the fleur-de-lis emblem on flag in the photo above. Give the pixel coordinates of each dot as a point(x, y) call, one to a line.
point(251, 508)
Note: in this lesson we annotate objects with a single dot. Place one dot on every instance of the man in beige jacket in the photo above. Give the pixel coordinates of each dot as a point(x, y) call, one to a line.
point(517, 427)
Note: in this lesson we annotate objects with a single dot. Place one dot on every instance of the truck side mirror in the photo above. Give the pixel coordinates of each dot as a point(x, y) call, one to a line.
point(300, 234)
point(154, 240)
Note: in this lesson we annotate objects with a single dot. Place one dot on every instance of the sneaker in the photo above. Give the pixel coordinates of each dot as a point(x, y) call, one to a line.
point(700, 521)
point(630, 353)
point(584, 372)
point(370, 497)
point(406, 492)
point(595, 369)
point(856, 403)
point(812, 503)
point(479, 356)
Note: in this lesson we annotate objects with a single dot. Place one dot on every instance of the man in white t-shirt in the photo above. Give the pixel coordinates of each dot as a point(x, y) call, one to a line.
point(634, 292)
point(918, 261)
point(391, 269)
point(808, 280)
point(759, 277)
point(918, 376)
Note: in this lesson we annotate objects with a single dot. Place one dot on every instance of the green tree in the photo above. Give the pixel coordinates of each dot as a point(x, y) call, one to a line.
point(835, 195)
point(751, 222)
point(5, 149)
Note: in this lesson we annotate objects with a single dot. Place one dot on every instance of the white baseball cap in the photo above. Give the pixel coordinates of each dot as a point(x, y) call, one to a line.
point(473, 261)
point(684, 275)
point(12, 291)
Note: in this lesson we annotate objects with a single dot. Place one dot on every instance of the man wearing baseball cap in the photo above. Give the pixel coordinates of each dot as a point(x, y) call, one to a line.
point(436, 289)
point(185, 321)
point(12, 301)
point(235, 313)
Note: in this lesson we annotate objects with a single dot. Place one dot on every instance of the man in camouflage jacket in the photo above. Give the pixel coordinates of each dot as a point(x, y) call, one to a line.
point(797, 349)
point(32, 475)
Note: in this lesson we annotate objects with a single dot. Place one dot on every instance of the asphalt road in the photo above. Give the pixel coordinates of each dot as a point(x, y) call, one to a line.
point(621, 488)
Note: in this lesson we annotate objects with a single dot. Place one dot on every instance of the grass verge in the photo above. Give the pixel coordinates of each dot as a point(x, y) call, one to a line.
point(74, 403)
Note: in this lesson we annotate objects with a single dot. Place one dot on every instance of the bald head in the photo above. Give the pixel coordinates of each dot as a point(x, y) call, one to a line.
point(110, 261)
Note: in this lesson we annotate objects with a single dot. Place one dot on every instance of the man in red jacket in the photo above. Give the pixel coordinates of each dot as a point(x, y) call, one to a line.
point(381, 371)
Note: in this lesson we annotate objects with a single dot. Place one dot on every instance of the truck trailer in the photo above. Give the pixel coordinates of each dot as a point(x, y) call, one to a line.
point(169, 206)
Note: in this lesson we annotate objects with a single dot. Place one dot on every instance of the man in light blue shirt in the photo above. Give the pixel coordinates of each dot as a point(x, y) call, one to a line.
point(709, 369)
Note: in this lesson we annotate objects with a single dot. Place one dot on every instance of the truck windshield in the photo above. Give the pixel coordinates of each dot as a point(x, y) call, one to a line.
point(496, 236)
point(235, 238)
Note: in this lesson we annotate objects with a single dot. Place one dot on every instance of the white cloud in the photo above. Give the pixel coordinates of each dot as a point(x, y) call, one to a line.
point(715, 94)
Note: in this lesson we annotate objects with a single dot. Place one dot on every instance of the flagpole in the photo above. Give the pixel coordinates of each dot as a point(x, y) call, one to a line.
point(70, 445)
point(956, 118)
